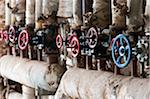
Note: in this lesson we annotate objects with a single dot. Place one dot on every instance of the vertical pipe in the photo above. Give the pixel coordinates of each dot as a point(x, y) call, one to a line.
point(13, 4)
point(7, 13)
point(38, 8)
point(28, 93)
point(30, 11)
point(119, 11)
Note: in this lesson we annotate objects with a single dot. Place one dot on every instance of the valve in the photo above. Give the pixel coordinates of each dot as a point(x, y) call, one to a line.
point(121, 51)
point(59, 41)
point(12, 34)
point(23, 40)
point(5, 36)
point(71, 42)
point(39, 40)
point(92, 37)
point(142, 47)
point(75, 46)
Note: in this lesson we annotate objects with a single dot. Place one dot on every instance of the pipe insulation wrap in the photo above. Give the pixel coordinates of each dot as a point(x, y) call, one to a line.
point(14, 95)
point(50, 6)
point(91, 84)
point(147, 13)
point(102, 12)
point(136, 12)
point(38, 9)
point(31, 73)
point(7, 13)
point(65, 8)
point(30, 11)
point(28, 93)
point(119, 12)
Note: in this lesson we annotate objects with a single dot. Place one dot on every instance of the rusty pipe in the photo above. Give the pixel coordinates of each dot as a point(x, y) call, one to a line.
point(31, 73)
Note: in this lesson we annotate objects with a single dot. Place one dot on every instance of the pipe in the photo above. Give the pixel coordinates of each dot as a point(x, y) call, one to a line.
point(38, 8)
point(31, 73)
point(13, 4)
point(65, 8)
point(14, 95)
point(49, 6)
point(102, 12)
point(20, 14)
point(30, 11)
point(119, 11)
point(147, 13)
point(90, 84)
point(7, 13)
point(28, 93)
point(135, 17)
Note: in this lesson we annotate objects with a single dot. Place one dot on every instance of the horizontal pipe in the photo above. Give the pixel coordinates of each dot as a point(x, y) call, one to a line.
point(31, 73)
point(90, 84)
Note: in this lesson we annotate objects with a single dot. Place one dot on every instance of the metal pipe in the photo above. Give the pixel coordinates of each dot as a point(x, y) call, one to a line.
point(27, 71)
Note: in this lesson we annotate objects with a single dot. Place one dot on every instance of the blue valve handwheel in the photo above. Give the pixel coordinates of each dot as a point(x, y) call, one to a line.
point(121, 51)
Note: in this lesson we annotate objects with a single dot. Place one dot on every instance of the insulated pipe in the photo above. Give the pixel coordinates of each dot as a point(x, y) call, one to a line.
point(38, 8)
point(30, 11)
point(31, 73)
point(135, 16)
point(13, 4)
point(20, 14)
point(89, 84)
point(14, 95)
point(147, 13)
point(102, 12)
point(7, 13)
point(119, 11)
point(49, 6)
point(28, 93)
point(65, 8)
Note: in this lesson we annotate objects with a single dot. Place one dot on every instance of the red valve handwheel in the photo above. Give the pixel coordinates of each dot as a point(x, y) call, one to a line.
point(23, 40)
point(75, 46)
point(5, 36)
point(12, 34)
point(59, 41)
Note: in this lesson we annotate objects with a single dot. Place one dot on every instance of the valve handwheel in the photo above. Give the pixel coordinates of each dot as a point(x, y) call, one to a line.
point(12, 34)
point(5, 36)
point(59, 41)
point(1, 35)
point(92, 37)
point(75, 46)
point(23, 40)
point(121, 51)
